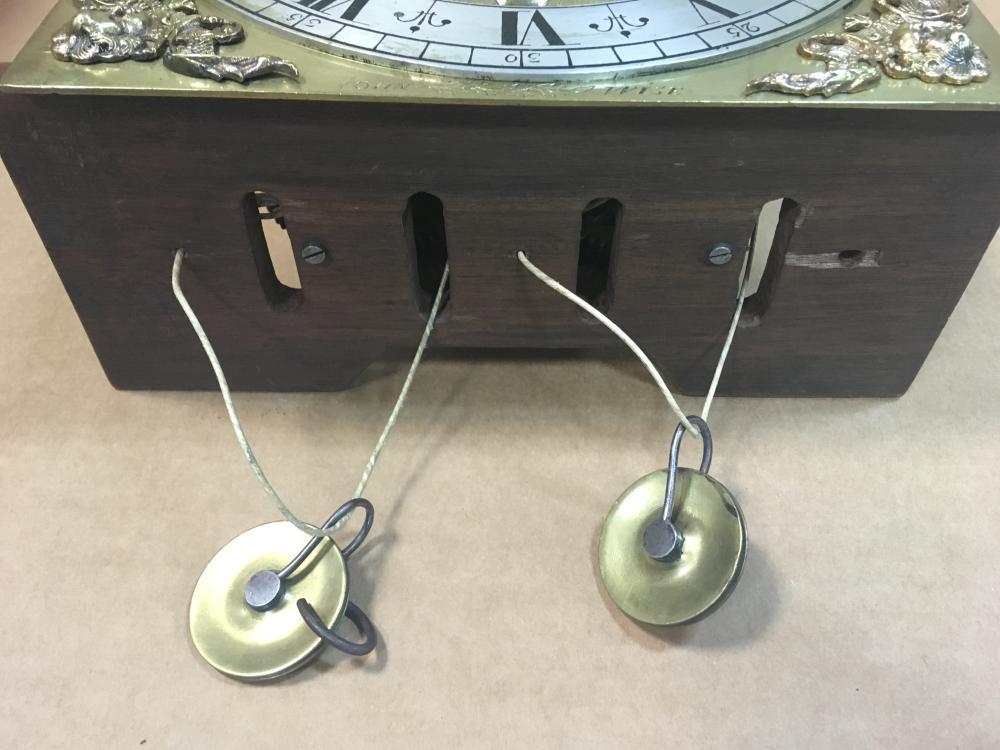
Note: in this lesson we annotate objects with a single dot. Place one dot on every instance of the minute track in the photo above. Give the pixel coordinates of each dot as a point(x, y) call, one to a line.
point(529, 42)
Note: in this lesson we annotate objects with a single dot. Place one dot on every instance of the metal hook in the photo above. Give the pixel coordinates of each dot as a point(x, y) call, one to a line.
point(352, 613)
point(675, 452)
point(338, 515)
point(661, 538)
point(266, 587)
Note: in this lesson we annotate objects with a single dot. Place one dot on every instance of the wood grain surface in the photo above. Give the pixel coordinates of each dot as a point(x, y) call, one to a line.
point(115, 184)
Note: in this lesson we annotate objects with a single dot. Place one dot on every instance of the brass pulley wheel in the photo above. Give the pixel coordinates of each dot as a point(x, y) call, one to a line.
point(256, 616)
point(673, 545)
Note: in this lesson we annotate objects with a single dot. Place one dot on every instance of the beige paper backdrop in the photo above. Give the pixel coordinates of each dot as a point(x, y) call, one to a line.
point(867, 617)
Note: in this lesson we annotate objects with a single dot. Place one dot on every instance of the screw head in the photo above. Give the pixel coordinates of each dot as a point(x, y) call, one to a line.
point(314, 253)
point(263, 590)
point(661, 540)
point(720, 254)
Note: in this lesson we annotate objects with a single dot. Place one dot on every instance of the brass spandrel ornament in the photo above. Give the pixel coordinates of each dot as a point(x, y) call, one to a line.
point(922, 39)
point(110, 31)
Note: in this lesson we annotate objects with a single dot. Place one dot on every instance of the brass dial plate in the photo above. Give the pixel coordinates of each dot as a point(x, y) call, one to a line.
point(250, 645)
point(710, 562)
point(326, 78)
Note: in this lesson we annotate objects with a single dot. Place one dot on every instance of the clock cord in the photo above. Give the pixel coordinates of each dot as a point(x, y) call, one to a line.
point(327, 529)
point(637, 350)
point(698, 521)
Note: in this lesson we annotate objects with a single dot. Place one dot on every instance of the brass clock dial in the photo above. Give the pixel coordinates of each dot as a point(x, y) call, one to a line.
point(537, 40)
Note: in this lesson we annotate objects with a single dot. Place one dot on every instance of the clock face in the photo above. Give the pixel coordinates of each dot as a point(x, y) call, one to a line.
point(539, 40)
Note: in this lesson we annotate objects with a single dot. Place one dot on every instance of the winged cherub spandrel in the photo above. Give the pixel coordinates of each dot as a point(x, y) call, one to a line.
point(107, 31)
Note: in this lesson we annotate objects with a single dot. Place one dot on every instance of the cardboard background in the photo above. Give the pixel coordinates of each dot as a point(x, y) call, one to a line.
point(867, 615)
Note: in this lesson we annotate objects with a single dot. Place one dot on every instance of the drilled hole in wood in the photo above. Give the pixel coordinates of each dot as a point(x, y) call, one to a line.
point(271, 248)
point(424, 229)
point(850, 258)
point(598, 240)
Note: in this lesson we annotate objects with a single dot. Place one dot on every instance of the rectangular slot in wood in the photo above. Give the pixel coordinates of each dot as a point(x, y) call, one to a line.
point(426, 237)
point(769, 243)
point(271, 248)
point(599, 226)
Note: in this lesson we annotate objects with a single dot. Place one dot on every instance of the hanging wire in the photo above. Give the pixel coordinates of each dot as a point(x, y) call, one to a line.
point(234, 419)
point(637, 350)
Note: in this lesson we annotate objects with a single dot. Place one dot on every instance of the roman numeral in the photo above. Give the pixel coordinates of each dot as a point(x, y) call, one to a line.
point(509, 28)
point(709, 5)
point(353, 6)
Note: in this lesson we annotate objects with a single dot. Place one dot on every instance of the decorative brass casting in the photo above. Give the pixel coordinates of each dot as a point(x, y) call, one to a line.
point(922, 39)
point(107, 31)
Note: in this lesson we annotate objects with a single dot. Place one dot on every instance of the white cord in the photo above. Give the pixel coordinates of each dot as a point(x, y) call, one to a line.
point(627, 340)
point(405, 390)
point(740, 298)
point(238, 427)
